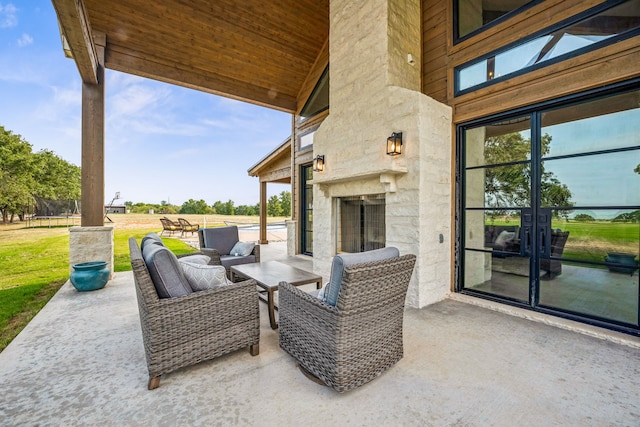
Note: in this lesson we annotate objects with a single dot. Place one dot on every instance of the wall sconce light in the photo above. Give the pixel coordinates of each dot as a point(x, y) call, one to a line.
point(394, 144)
point(318, 163)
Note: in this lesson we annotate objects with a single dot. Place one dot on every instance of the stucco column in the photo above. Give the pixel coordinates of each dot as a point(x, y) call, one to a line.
point(92, 185)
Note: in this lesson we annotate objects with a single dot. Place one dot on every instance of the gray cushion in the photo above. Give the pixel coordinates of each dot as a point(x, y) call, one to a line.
point(242, 249)
point(196, 259)
point(221, 238)
point(151, 238)
point(203, 277)
point(228, 260)
point(166, 272)
point(340, 261)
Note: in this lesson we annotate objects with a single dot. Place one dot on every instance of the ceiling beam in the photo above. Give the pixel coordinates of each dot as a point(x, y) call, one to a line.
point(76, 34)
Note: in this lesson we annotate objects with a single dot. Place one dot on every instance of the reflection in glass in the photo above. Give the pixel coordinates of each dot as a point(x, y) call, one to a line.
point(595, 180)
point(605, 124)
point(502, 142)
point(593, 290)
point(580, 35)
point(474, 14)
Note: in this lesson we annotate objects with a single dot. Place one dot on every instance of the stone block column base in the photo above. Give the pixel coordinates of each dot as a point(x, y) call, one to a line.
point(91, 244)
point(291, 236)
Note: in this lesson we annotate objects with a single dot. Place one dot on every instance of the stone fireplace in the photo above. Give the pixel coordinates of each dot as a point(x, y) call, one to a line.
point(374, 56)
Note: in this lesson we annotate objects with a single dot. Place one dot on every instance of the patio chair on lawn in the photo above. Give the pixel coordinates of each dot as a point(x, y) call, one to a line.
point(170, 226)
point(225, 242)
point(187, 227)
point(182, 326)
point(351, 332)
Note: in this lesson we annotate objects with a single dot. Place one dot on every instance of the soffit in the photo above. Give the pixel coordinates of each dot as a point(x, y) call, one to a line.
point(255, 51)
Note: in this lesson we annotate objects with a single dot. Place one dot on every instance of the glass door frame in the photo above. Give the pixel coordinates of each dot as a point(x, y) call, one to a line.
point(535, 112)
point(305, 211)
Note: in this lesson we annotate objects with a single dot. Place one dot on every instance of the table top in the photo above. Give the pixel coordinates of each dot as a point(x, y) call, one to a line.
point(271, 273)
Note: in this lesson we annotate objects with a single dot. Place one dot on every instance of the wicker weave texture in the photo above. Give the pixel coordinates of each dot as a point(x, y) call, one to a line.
point(361, 337)
point(182, 331)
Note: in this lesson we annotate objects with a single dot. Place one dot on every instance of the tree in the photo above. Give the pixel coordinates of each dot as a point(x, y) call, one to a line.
point(285, 203)
point(16, 173)
point(195, 207)
point(54, 177)
point(584, 218)
point(273, 206)
point(633, 216)
point(510, 185)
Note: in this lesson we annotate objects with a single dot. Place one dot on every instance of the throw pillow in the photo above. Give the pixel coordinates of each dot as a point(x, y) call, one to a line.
point(242, 249)
point(196, 259)
point(165, 272)
point(504, 237)
point(203, 277)
point(151, 238)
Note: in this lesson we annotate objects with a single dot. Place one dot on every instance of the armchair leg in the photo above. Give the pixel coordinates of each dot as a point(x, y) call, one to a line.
point(254, 350)
point(154, 383)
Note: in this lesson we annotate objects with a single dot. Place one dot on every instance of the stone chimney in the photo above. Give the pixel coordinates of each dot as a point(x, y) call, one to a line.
point(375, 69)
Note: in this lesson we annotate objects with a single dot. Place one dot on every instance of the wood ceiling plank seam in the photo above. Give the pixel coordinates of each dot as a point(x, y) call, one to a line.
point(111, 18)
point(280, 75)
point(233, 47)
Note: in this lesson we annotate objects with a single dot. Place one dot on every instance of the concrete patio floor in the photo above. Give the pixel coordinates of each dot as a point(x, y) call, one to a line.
point(81, 362)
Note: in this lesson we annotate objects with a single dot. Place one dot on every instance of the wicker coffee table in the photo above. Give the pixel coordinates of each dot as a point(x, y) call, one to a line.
point(268, 275)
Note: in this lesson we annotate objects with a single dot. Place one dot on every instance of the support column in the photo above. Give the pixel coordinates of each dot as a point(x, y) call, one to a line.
point(92, 186)
point(263, 213)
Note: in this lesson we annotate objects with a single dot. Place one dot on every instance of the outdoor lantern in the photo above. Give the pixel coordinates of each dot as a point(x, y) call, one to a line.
point(318, 164)
point(394, 144)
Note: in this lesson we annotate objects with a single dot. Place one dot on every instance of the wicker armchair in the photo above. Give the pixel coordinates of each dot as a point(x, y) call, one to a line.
point(186, 330)
point(361, 337)
point(221, 241)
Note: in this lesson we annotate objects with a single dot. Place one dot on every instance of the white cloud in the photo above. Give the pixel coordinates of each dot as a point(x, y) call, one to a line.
point(25, 40)
point(8, 16)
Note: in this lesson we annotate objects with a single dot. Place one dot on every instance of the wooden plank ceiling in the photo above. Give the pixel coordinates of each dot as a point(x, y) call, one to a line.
point(255, 51)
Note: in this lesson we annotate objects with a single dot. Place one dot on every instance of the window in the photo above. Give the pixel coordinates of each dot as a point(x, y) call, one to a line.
point(571, 37)
point(306, 210)
point(306, 140)
point(319, 99)
point(472, 15)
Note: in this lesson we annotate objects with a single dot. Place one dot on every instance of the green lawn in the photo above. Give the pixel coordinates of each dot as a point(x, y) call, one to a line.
point(35, 264)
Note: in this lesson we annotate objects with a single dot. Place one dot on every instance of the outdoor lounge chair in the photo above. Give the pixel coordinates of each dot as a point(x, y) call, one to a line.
point(187, 227)
point(223, 240)
point(353, 342)
point(553, 267)
point(185, 330)
point(170, 226)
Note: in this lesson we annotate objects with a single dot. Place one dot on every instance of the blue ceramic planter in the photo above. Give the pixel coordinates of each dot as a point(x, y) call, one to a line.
point(89, 276)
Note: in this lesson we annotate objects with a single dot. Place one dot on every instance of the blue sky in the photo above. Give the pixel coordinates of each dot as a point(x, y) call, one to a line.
point(162, 142)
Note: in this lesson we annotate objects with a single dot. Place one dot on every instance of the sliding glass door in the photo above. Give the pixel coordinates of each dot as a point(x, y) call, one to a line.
point(551, 209)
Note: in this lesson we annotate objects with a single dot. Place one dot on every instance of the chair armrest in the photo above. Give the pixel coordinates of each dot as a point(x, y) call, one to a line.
point(228, 305)
point(295, 301)
point(256, 252)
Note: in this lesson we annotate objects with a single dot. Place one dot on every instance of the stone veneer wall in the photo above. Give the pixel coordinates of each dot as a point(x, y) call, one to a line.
point(91, 244)
point(374, 91)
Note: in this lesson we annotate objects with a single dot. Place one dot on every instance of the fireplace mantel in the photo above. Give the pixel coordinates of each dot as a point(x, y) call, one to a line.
point(386, 177)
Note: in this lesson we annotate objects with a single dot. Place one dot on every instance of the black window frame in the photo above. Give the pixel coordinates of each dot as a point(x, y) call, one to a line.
point(489, 25)
point(545, 31)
